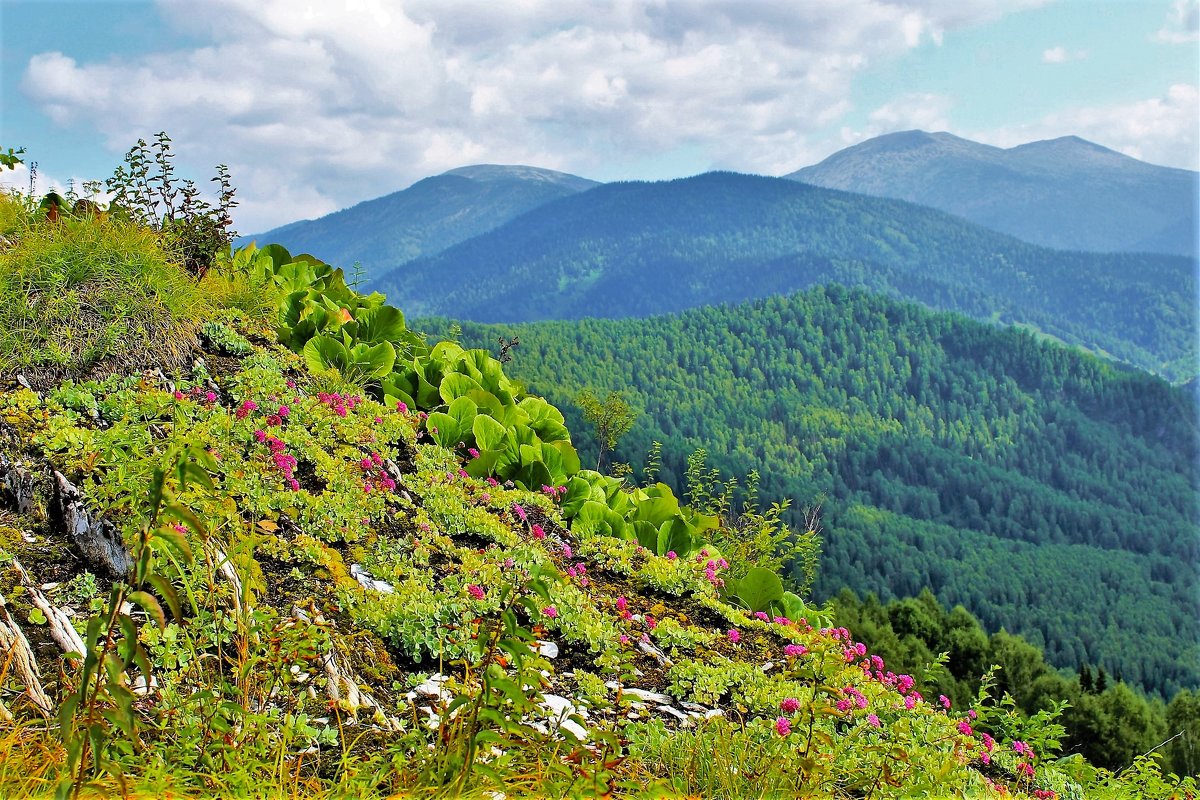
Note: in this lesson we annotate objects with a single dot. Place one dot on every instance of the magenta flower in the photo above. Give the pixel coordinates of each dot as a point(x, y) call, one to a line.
point(671, 555)
point(550, 611)
point(402, 408)
point(733, 635)
point(295, 484)
point(873, 720)
point(476, 591)
point(794, 650)
point(566, 551)
point(283, 411)
point(274, 420)
point(537, 531)
point(1022, 749)
point(624, 639)
point(790, 705)
point(210, 397)
point(964, 728)
point(622, 603)
point(782, 726)
point(472, 452)
point(945, 701)
point(520, 512)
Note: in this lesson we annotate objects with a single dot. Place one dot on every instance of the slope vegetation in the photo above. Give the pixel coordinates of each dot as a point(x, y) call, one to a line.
point(1048, 492)
point(1065, 193)
point(637, 249)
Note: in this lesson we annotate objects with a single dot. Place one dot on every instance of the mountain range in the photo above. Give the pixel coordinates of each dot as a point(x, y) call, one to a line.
point(636, 249)
point(427, 217)
point(1064, 193)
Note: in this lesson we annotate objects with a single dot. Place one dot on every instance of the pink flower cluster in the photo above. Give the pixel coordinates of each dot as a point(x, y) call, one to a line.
point(476, 591)
point(854, 699)
point(340, 404)
point(245, 408)
point(555, 493)
point(283, 461)
point(794, 650)
point(711, 567)
point(372, 468)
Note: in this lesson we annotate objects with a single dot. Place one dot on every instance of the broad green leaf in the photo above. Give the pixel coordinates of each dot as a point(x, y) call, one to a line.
point(489, 434)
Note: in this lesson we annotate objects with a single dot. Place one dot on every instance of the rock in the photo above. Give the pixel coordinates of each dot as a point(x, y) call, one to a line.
point(684, 720)
point(767, 667)
point(367, 582)
point(431, 687)
point(560, 709)
point(716, 712)
point(547, 649)
point(658, 655)
point(696, 707)
point(651, 697)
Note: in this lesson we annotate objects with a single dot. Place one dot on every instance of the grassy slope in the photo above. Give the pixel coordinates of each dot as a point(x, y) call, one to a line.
point(242, 700)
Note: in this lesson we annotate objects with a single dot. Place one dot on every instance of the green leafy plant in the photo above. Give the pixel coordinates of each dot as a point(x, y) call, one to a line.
point(193, 230)
point(102, 704)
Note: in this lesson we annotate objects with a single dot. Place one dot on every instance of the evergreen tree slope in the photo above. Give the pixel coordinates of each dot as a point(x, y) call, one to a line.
point(637, 249)
point(1047, 491)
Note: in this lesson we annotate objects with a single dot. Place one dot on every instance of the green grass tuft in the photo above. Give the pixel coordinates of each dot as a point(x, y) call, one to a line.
point(88, 295)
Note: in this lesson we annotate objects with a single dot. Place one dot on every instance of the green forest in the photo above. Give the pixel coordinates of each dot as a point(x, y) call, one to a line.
point(1048, 491)
point(638, 249)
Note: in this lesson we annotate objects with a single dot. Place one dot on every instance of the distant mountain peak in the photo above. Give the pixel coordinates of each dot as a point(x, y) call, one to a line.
point(1066, 193)
point(504, 172)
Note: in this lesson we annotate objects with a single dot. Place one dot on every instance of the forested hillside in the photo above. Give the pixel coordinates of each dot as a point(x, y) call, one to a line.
point(1048, 491)
point(427, 217)
point(637, 249)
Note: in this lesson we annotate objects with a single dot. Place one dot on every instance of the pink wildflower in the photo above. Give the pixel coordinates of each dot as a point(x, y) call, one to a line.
point(790, 705)
point(945, 701)
point(873, 720)
point(550, 611)
point(733, 635)
point(520, 512)
point(475, 591)
point(622, 603)
point(671, 555)
point(283, 411)
point(210, 397)
point(794, 650)
point(964, 728)
point(782, 726)
point(537, 531)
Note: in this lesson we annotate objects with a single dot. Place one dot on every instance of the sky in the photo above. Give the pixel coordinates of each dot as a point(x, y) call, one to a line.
point(317, 105)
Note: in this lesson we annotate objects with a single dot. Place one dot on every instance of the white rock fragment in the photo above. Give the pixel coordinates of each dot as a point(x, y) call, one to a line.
point(431, 687)
point(684, 719)
point(655, 653)
point(767, 667)
point(716, 712)
point(365, 580)
point(547, 649)
point(650, 697)
point(560, 709)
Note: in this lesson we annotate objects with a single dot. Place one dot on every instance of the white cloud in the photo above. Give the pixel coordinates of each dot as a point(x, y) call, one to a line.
point(1162, 130)
point(923, 111)
point(1182, 24)
point(316, 105)
point(1060, 55)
